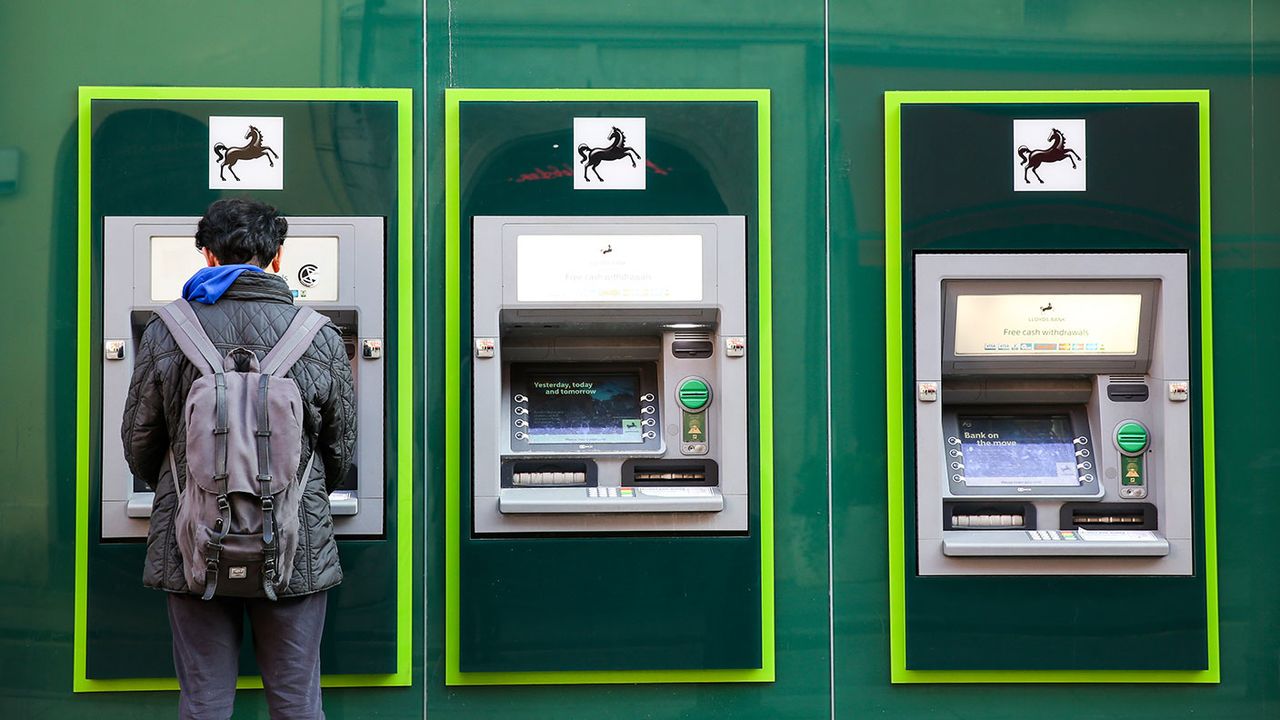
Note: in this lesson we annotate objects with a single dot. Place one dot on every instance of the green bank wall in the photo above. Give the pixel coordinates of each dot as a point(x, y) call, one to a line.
point(827, 66)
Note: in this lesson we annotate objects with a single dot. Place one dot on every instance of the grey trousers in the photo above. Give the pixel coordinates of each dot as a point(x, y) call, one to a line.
point(286, 642)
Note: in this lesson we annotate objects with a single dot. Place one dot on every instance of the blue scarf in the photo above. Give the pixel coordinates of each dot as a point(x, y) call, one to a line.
point(208, 284)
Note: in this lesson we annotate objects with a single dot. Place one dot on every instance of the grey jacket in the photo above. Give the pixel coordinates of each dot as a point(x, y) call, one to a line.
point(253, 314)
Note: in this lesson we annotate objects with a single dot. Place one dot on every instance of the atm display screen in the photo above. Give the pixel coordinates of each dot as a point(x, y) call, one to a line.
point(584, 407)
point(1004, 450)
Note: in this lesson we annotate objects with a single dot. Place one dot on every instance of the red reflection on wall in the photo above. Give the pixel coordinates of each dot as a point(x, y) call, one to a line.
point(565, 171)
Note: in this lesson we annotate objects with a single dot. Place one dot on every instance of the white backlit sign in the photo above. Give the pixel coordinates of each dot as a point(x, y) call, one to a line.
point(609, 268)
point(1053, 324)
point(308, 264)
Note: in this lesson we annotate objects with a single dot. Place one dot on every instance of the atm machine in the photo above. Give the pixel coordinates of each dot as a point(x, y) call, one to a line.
point(1052, 418)
point(610, 375)
point(334, 264)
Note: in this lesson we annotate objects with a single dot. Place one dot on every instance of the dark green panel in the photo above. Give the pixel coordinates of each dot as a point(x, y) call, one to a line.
point(618, 603)
point(150, 158)
point(956, 196)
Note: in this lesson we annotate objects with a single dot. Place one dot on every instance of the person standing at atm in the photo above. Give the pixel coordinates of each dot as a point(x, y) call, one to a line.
point(240, 305)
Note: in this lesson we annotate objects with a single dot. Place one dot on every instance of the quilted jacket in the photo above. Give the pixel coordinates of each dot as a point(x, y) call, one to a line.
point(253, 314)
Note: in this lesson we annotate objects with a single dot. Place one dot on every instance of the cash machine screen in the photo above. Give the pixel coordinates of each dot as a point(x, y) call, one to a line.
point(1022, 450)
point(584, 407)
point(609, 407)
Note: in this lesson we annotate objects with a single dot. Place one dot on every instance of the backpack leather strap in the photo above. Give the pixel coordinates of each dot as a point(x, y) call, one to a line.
point(266, 502)
point(294, 342)
point(213, 548)
point(191, 337)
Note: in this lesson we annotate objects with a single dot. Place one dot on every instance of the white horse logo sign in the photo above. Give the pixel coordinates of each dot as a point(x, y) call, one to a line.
point(609, 153)
point(1049, 155)
point(246, 153)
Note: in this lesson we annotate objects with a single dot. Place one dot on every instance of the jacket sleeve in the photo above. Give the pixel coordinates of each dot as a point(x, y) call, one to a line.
point(144, 431)
point(337, 441)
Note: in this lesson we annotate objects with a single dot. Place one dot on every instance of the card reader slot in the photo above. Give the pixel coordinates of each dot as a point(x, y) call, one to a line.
point(988, 516)
point(548, 473)
point(1110, 516)
point(639, 472)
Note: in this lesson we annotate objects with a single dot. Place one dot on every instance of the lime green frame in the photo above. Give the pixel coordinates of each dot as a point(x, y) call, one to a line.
point(896, 373)
point(453, 384)
point(405, 438)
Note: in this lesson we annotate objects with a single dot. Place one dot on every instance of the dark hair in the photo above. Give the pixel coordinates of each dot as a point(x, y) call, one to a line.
point(240, 231)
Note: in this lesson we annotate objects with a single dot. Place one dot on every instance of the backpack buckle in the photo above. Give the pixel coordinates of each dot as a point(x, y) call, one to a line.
point(267, 503)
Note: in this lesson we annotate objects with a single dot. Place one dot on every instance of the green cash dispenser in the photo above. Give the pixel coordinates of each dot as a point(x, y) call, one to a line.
point(152, 160)
point(608, 508)
point(1051, 446)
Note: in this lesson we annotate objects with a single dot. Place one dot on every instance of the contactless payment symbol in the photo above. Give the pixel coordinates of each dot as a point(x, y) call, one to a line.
point(246, 153)
point(1048, 155)
point(610, 153)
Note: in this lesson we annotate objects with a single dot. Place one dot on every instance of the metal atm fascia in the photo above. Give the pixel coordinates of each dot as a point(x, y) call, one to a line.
point(1078, 386)
point(129, 299)
point(512, 337)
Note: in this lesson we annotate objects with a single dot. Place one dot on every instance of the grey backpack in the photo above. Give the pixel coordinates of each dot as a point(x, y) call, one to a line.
point(237, 521)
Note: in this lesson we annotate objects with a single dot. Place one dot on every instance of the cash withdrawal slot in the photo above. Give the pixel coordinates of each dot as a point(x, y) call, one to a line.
point(1052, 414)
point(334, 264)
point(610, 374)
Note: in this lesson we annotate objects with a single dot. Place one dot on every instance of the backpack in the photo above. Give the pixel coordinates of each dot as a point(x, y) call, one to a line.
point(238, 511)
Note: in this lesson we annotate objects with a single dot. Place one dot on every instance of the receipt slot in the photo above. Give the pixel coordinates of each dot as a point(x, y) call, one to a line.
point(334, 264)
point(610, 375)
point(1052, 418)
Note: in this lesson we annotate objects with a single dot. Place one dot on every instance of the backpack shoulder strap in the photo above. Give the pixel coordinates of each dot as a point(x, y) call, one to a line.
point(191, 337)
point(294, 342)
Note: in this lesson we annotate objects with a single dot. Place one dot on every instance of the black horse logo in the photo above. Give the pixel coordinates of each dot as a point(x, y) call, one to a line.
point(1057, 150)
point(1046, 308)
point(591, 157)
point(252, 151)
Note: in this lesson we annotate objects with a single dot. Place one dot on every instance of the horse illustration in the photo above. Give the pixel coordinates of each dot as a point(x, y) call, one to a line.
point(1057, 150)
point(1046, 308)
point(591, 157)
point(254, 150)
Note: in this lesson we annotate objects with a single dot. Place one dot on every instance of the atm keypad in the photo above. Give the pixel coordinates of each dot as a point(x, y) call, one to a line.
point(1053, 535)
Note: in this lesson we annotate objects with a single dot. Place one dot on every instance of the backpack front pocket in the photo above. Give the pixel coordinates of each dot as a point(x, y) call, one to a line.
point(240, 566)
